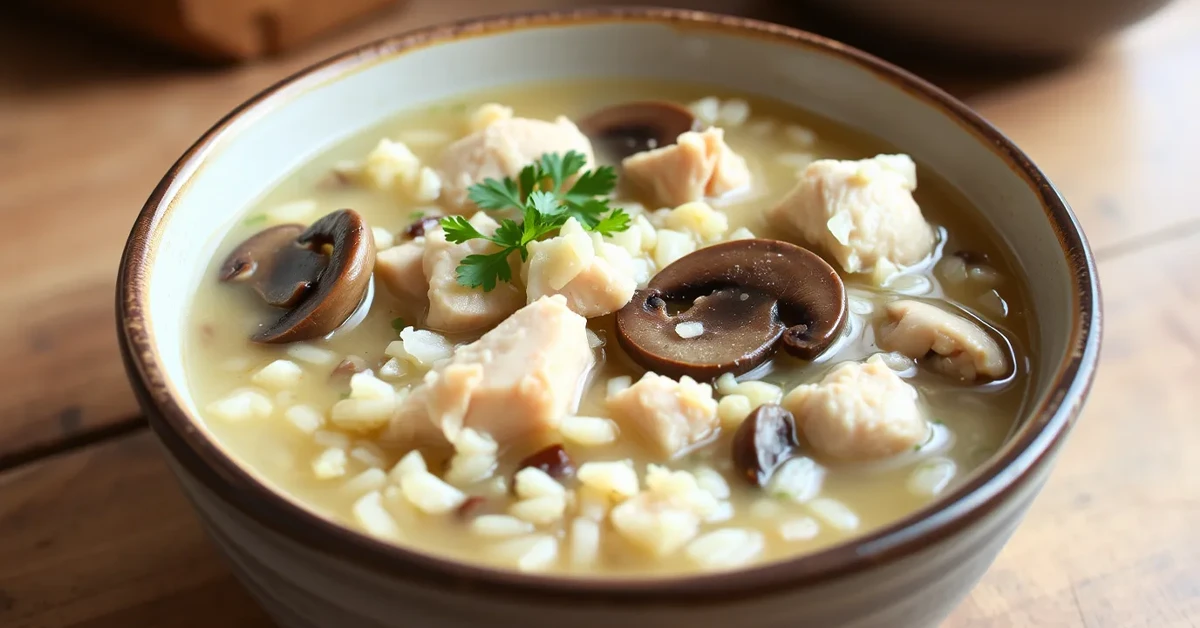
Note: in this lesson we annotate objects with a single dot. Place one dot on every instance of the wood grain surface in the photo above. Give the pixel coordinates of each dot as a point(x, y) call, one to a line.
point(94, 532)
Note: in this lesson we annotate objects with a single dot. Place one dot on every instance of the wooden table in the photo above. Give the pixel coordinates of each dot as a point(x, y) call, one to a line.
point(93, 531)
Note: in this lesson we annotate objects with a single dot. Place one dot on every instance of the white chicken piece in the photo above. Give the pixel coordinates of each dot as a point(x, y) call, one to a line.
point(501, 149)
point(961, 348)
point(521, 377)
point(859, 411)
point(596, 277)
point(665, 516)
point(860, 212)
point(453, 307)
point(401, 270)
point(668, 415)
point(698, 165)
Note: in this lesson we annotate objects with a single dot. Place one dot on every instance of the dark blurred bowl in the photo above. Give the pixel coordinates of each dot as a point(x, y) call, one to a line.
point(997, 28)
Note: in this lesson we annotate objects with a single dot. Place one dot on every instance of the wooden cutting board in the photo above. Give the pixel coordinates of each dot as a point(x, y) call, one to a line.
point(218, 30)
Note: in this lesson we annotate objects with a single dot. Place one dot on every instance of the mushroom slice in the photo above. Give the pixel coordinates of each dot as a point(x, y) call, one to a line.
point(629, 128)
point(734, 335)
point(319, 274)
point(277, 270)
point(745, 298)
point(764, 441)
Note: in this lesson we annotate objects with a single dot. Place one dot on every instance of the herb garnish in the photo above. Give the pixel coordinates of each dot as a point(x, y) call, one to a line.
point(544, 205)
point(399, 324)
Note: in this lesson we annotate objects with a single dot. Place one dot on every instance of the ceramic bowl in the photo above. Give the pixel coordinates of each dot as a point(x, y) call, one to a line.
point(309, 572)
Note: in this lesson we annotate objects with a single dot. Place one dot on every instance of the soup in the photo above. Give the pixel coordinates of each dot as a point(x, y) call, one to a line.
point(610, 328)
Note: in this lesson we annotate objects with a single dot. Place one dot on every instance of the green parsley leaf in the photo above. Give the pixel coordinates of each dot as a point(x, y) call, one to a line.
point(544, 203)
point(612, 223)
point(589, 214)
point(509, 233)
point(529, 177)
point(538, 194)
point(479, 270)
point(598, 182)
point(559, 168)
point(493, 194)
point(458, 230)
point(533, 227)
point(417, 215)
point(399, 324)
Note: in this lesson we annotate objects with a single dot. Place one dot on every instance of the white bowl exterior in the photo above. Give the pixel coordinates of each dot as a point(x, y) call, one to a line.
point(264, 145)
point(303, 587)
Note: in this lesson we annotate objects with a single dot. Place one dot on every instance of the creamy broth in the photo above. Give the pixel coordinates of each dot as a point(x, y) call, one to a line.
point(970, 420)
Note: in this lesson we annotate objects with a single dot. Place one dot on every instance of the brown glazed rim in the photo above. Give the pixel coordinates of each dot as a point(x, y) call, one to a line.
point(1029, 449)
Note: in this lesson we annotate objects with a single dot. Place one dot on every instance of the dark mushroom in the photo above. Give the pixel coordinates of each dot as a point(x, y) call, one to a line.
point(470, 507)
point(277, 270)
point(973, 258)
point(765, 440)
point(319, 274)
point(623, 130)
point(347, 368)
point(748, 297)
point(553, 460)
point(420, 225)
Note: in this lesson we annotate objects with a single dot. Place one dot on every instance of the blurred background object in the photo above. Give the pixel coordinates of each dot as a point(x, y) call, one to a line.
point(1037, 30)
point(218, 30)
point(1028, 29)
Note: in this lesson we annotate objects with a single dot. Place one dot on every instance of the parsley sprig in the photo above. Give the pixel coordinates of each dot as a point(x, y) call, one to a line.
point(540, 196)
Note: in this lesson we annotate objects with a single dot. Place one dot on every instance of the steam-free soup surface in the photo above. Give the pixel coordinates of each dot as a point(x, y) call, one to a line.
point(272, 406)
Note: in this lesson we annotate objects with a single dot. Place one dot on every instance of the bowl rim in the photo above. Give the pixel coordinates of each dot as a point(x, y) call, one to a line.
point(1028, 450)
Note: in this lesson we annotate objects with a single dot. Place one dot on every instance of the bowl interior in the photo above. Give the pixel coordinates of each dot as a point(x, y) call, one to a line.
point(281, 130)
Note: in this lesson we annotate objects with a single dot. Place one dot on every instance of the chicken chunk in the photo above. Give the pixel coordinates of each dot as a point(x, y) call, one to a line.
point(521, 377)
point(596, 277)
point(454, 307)
point(422, 273)
point(665, 516)
point(960, 348)
point(859, 411)
point(668, 415)
point(860, 212)
point(401, 270)
point(698, 165)
point(501, 149)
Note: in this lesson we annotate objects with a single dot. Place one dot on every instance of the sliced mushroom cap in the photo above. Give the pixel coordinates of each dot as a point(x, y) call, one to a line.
point(271, 263)
point(623, 130)
point(765, 440)
point(418, 227)
point(748, 297)
point(319, 274)
point(552, 460)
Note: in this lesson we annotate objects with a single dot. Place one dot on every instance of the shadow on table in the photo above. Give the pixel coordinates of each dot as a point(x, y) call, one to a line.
point(40, 54)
